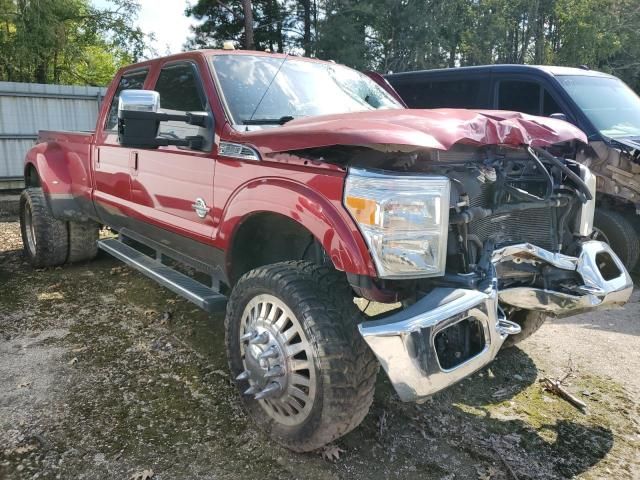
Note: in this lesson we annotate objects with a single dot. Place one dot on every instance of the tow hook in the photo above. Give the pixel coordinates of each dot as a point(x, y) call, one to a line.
point(507, 327)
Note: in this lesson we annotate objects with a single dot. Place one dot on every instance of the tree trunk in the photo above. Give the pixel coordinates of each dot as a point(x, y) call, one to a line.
point(41, 72)
point(280, 36)
point(306, 41)
point(248, 25)
point(315, 27)
point(452, 55)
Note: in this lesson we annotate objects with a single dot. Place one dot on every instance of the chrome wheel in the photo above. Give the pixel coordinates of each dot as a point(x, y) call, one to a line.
point(29, 229)
point(277, 360)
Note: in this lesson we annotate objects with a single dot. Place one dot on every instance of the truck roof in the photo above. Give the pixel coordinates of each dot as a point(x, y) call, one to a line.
point(218, 51)
point(550, 70)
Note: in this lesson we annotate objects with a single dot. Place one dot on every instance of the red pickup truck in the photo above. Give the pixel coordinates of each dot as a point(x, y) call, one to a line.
point(293, 186)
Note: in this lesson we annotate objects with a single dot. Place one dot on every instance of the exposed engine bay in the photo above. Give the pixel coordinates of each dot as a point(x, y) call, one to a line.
point(500, 196)
point(518, 243)
point(505, 197)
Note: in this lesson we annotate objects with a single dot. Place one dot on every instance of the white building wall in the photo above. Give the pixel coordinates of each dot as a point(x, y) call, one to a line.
point(26, 108)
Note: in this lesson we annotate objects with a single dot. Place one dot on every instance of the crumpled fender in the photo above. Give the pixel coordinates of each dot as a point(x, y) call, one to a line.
point(325, 218)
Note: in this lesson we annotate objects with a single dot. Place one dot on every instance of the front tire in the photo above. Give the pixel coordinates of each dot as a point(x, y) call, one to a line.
point(529, 321)
point(45, 238)
point(305, 374)
point(619, 233)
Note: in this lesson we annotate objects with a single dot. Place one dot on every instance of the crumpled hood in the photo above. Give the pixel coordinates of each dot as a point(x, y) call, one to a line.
point(390, 129)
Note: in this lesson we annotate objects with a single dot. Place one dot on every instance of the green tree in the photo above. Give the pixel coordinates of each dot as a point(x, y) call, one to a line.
point(220, 21)
point(400, 35)
point(69, 41)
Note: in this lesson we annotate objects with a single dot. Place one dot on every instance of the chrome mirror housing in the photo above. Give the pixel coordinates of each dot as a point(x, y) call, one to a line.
point(138, 101)
point(139, 118)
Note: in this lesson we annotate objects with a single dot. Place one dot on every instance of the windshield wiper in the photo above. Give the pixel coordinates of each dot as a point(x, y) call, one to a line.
point(268, 121)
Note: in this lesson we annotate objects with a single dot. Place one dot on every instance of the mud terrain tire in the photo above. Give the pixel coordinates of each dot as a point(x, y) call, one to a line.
point(620, 234)
point(529, 321)
point(45, 238)
point(345, 369)
point(83, 241)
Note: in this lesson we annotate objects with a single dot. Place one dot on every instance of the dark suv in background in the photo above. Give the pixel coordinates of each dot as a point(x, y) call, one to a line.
point(601, 105)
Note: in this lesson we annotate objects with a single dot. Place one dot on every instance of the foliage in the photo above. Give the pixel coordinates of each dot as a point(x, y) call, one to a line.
point(67, 41)
point(399, 35)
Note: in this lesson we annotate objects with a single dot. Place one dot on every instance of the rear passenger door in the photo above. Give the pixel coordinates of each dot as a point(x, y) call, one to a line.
point(526, 96)
point(444, 92)
point(172, 186)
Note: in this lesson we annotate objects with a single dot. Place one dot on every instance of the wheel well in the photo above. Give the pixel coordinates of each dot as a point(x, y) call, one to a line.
point(31, 177)
point(267, 238)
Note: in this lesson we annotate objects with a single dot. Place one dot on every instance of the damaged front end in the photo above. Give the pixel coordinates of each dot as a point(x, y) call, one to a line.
point(474, 237)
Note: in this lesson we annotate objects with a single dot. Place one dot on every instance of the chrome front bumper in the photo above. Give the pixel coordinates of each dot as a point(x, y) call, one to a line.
point(606, 282)
point(404, 342)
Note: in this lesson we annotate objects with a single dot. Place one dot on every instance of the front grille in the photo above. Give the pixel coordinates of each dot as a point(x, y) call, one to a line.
point(534, 226)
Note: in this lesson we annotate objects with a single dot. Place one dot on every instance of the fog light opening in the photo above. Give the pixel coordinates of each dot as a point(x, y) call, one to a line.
point(608, 268)
point(459, 342)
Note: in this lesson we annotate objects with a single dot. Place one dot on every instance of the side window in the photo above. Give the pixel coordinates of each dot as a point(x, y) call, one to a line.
point(129, 81)
point(519, 96)
point(444, 93)
point(181, 91)
point(549, 105)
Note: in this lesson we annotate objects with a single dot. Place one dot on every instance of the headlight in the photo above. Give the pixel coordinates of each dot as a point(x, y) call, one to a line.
point(404, 219)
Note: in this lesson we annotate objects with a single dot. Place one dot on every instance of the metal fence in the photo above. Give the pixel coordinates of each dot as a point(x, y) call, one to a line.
point(26, 108)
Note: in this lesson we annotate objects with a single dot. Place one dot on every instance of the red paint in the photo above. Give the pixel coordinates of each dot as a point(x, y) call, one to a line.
point(159, 186)
point(438, 128)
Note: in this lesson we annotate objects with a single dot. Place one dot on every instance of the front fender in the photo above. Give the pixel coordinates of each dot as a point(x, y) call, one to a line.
point(317, 207)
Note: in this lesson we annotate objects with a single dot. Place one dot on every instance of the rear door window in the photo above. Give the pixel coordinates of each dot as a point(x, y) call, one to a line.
point(128, 81)
point(446, 93)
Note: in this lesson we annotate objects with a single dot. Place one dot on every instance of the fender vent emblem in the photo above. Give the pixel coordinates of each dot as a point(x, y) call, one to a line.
point(236, 150)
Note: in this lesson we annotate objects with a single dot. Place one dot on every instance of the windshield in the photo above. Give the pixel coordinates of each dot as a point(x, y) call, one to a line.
point(300, 88)
point(612, 107)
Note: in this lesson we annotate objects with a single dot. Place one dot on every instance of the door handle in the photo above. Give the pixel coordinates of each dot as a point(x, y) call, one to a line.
point(133, 163)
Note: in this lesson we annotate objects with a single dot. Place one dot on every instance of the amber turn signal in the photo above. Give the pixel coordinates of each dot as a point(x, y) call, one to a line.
point(363, 210)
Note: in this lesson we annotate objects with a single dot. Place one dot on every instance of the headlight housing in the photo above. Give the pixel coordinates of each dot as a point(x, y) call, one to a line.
point(404, 220)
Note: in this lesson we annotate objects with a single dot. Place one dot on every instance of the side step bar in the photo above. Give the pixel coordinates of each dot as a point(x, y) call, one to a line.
point(185, 286)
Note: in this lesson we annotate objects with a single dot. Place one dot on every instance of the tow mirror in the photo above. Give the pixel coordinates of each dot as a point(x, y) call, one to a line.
point(139, 120)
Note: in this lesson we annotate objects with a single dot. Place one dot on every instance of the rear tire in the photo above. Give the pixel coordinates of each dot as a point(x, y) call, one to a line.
point(529, 321)
point(338, 367)
point(83, 241)
point(45, 238)
point(617, 231)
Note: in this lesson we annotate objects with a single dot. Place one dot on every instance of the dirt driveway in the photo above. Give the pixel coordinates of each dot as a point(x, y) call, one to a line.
point(103, 374)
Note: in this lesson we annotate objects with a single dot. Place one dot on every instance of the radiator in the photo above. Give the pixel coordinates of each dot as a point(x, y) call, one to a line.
point(534, 226)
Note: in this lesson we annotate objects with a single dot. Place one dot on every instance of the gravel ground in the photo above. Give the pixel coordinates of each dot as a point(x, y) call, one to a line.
point(104, 375)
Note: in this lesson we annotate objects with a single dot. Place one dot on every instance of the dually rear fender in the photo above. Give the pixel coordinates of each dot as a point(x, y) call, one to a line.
point(63, 172)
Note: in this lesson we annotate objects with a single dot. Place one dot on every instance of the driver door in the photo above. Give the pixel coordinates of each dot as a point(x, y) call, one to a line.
point(171, 186)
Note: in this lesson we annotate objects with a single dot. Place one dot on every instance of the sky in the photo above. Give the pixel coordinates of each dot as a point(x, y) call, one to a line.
point(165, 19)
